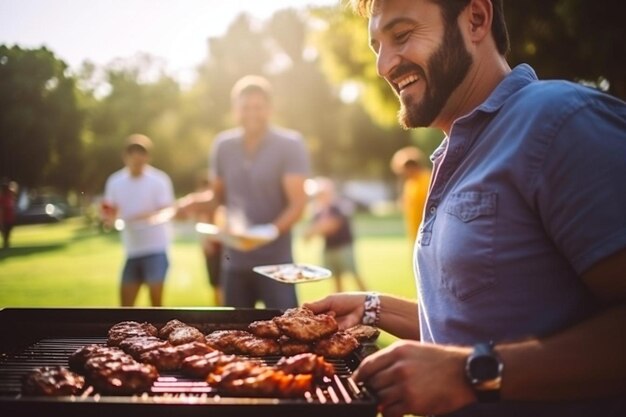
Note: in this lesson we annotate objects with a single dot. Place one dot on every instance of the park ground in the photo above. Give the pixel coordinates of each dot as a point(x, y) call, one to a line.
point(73, 264)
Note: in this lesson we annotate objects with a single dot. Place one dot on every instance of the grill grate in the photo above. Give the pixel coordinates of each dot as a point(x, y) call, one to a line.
point(170, 385)
point(46, 337)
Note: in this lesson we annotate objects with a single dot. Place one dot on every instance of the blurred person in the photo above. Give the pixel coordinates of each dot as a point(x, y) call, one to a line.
point(258, 172)
point(408, 165)
point(8, 206)
point(211, 248)
point(132, 194)
point(520, 260)
point(331, 223)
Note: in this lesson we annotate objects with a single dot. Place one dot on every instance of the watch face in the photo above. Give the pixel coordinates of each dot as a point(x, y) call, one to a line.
point(484, 368)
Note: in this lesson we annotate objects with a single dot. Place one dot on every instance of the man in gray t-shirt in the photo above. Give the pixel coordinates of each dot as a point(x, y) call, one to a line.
point(258, 173)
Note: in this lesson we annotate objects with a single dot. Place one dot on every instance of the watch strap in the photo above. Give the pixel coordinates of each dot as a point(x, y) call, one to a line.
point(491, 396)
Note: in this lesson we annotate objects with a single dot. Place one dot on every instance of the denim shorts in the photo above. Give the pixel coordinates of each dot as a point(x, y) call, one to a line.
point(149, 269)
point(340, 259)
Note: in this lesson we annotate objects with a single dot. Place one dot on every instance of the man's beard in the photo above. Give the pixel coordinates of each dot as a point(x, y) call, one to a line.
point(447, 68)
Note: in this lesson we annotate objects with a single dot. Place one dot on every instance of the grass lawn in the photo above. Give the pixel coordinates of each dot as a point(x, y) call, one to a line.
point(70, 264)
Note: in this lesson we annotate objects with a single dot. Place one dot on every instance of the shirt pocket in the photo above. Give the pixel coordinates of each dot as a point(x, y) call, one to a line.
point(467, 261)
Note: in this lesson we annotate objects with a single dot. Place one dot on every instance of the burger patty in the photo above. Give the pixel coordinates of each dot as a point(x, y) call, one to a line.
point(52, 380)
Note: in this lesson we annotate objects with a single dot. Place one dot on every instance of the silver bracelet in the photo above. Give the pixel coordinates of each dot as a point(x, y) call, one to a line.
point(371, 313)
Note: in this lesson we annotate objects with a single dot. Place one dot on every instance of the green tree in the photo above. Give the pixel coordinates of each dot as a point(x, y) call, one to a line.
point(569, 39)
point(138, 95)
point(40, 119)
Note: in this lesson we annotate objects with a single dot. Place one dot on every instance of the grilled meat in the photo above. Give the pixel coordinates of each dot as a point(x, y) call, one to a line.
point(224, 340)
point(185, 334)
point(298, 311)
point(126, 329)
point(290, 347)
point(170, 326)
point(243, 343)
point(339, 345)
point(203, 365)
point(77, 359)
point(301, 324)
point(236, 369)
point(55, 380)
point(120, 378)
point(137, 345)
point(165, 358)
point(265, 328)
point(256, 346)
point(168, 358)
point(96, 362)
point(306, 363)
point(363, 332)
point(269, 383)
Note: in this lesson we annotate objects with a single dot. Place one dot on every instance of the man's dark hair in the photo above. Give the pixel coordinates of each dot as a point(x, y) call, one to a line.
point(451, 10)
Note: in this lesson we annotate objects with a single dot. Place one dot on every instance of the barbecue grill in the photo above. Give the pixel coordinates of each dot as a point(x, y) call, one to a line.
point(32, 338)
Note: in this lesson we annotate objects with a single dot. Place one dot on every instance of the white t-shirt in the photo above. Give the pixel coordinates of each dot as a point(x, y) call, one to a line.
point(136, 196)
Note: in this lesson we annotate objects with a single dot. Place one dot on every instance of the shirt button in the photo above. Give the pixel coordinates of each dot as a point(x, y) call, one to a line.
point(433, 209)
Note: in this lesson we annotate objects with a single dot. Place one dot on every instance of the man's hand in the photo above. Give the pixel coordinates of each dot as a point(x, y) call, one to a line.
point(194, 204)
point(348, 308)
point(416, 378)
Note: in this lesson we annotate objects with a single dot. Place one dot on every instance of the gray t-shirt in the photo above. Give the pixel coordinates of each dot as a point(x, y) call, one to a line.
point(253, 187)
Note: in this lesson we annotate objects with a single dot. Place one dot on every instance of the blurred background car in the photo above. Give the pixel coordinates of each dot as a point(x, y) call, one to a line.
point(36, 208)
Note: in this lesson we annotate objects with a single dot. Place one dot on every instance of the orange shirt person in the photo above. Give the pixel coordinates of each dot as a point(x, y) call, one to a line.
point(407, 164)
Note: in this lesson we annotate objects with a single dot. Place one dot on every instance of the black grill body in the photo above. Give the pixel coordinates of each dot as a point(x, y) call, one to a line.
point(30, 338)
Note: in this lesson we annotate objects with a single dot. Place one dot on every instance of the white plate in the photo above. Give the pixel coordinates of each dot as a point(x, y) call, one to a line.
point(245, 241)
point(293, 273)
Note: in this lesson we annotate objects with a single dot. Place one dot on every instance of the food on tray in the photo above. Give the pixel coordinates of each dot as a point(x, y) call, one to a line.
point(301, 324)
point(338, 345)
point(293, 273)
point(52, 380)
point(363, 332)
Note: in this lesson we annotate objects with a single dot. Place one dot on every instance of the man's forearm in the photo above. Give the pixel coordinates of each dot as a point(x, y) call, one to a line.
point(399, 317)
point(585, 361)
point(288, 217)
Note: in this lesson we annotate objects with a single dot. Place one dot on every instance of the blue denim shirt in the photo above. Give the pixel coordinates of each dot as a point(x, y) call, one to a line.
point(528, 192)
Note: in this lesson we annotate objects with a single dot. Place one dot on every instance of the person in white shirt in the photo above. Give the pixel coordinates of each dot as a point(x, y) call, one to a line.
point(133, 194)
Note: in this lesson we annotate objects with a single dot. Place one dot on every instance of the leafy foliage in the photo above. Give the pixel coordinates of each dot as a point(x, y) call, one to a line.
point(67, 130)
point(40, 120)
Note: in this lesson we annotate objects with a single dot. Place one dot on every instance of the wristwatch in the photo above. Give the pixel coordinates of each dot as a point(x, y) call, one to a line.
point(483, 369)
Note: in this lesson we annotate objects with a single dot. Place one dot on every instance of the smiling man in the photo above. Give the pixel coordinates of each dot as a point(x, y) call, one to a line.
point(520, 259)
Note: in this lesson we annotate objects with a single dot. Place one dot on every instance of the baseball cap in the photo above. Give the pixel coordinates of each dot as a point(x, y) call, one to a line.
point(138, 141)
